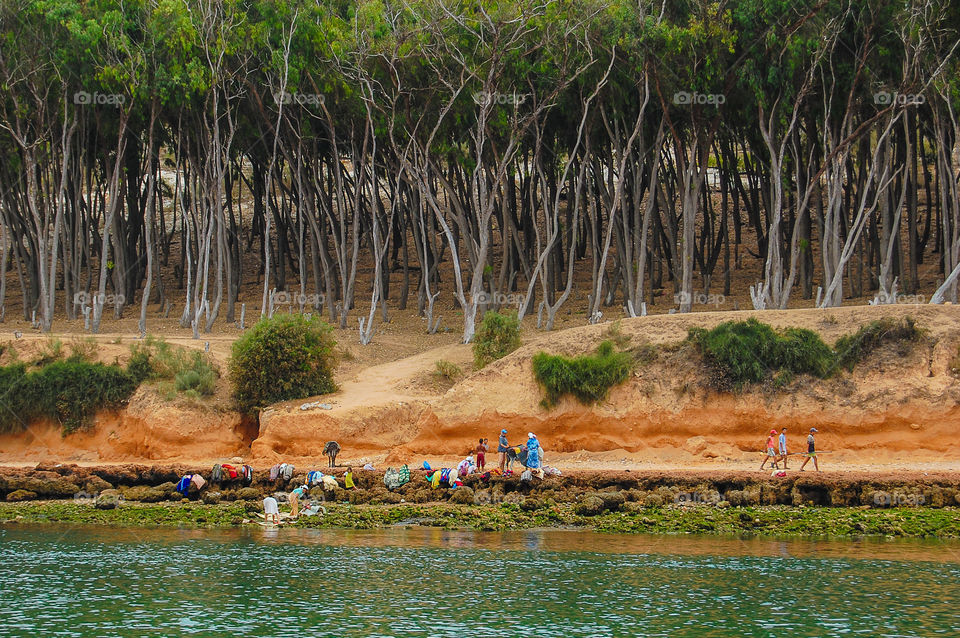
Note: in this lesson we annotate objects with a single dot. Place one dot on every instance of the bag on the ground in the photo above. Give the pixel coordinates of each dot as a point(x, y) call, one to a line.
point(329, 483)
point(229, 471)
point(287, 472)
point(395, 478)
point(216, 474)
point(314, 477)
point(275, 472)
point(526, 476)
point(247, 473)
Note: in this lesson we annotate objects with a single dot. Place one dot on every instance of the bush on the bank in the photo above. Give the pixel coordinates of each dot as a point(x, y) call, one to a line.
point(588, 377)
point(748, 351)
point(497, 336)
point(286, 357)
point(851, 349)
point(190, 371)
point(69, 392)
point(21, 495)
point(744, 352)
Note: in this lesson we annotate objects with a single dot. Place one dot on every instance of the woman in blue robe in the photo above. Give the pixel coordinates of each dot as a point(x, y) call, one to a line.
point(533, 451)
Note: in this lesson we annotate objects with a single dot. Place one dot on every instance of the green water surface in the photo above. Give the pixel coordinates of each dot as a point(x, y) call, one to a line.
point(90, 581)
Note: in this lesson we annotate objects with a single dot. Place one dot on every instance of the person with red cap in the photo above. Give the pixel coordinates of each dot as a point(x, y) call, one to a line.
point(771, 452)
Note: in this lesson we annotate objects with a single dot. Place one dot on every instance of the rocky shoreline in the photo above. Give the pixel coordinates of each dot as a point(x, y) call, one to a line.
point(651, 502)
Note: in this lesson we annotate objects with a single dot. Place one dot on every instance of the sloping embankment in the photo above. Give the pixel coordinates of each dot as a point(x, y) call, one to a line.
point(901, 404)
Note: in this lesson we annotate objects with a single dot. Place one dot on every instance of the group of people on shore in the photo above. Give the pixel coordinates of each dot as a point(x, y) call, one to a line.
point(530, 455)
point(777, 450)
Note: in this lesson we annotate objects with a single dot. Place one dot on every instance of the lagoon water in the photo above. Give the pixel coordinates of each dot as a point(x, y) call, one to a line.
point(90, 581)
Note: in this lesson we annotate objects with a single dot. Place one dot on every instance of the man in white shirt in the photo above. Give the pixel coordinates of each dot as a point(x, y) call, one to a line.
point(783, 446)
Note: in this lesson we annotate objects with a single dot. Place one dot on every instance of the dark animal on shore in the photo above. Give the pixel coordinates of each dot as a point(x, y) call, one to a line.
point(514, 455)
point(331, 449)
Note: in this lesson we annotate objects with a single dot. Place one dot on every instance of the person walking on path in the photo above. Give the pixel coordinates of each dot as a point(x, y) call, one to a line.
point(811, 451)
point(771, 453)
point(783, 447)
point(502, 447)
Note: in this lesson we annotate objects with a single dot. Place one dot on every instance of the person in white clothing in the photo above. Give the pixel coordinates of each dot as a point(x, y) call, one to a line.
point(271, 511)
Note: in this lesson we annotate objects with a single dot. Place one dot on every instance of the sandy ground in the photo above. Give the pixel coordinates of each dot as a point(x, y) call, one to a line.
point(897, 412)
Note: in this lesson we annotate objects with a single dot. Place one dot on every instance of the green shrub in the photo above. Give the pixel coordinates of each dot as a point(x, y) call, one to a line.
point(803, 352)
point(70, 392)
point(743, 352)
point(199, 375)
point(748, 351)
point(587, 377)
point(497, 336)
point(139, 367)
point(187, 369)
point(286, 357)
point(51, 350)
point(851, 349)
point(83, 349)
point(447, 370)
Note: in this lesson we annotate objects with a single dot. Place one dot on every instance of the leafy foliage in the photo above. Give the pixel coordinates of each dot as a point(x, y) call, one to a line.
point(851, 349)
point(69, 392)
point(286, 357)
point(188, 370)
point(587, 377)
point(743, 352)
point(447, 370)
point(497, 336)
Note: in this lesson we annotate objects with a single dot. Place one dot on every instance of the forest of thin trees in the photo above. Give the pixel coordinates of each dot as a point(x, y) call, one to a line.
point(499, 152)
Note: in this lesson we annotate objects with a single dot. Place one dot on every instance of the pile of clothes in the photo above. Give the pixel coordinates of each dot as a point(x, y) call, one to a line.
point(188, 481)
point(446, 476)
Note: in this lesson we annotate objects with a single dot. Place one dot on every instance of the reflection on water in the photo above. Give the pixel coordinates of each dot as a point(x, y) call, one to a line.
point(432, 582)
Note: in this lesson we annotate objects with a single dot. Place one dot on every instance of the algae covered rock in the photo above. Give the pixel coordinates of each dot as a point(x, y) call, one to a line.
point(248, 494)
point(95, 485)
point(21, 495)
point(144, 494)
point(107, 500)
point(514, 498)
point(211, 498)
point(462, 496)
point(612, 501)
point(653, 499)
point(589, 506)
